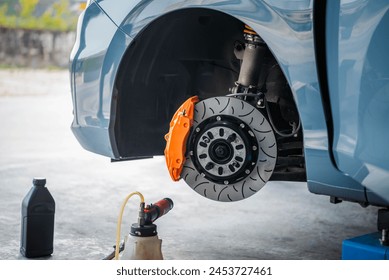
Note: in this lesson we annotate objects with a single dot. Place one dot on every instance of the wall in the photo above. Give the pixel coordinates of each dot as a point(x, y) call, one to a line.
point(35, 48)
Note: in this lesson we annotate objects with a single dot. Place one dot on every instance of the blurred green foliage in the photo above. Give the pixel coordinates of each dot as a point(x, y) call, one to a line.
point(57, 17)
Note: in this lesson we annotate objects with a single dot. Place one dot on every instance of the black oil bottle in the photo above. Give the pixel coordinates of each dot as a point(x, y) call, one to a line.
point(38, 209)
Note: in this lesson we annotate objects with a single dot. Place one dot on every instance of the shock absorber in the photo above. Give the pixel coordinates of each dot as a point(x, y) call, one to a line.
point(247, 84)
point(250, 70)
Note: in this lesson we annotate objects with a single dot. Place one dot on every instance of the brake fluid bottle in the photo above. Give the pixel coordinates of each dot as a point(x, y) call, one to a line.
point(142, 244)
point(38, 209)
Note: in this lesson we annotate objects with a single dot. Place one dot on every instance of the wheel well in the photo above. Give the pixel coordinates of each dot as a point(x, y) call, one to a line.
point(184, 53)
point(181, 54)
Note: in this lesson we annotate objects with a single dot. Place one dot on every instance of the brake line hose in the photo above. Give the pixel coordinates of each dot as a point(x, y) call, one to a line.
point(119, 223)
point(294, 129)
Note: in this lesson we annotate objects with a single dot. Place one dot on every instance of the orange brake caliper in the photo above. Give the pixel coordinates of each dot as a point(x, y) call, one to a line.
point(178, 134)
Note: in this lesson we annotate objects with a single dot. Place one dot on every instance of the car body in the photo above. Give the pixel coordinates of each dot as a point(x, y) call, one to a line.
point(135, 62)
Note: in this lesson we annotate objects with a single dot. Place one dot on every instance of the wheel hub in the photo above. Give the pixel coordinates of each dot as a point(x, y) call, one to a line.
point(223, 149)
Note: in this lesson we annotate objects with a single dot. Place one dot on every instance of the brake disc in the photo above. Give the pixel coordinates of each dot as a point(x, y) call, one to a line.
point(232, 150)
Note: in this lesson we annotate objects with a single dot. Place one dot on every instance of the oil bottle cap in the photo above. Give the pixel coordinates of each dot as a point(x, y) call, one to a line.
point(39, 181)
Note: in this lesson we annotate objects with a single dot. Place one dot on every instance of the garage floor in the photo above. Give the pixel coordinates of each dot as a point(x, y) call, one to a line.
point(282, 221)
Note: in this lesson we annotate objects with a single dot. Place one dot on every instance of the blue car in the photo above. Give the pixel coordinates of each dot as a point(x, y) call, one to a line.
point(239, 92)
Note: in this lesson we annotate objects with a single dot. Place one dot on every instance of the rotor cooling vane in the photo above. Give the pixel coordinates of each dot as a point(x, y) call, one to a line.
point(231, 151)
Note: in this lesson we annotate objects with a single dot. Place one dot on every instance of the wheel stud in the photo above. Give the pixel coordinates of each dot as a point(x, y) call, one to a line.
point(238, 158)
point(209, 166)
point(231, 138)
point(202, 156)
point(239, 147)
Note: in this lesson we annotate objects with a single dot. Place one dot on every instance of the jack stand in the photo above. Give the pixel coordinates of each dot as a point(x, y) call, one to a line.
point(373, 246)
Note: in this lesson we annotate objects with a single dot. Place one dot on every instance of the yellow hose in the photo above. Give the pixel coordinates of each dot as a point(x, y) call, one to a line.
point(119, 225)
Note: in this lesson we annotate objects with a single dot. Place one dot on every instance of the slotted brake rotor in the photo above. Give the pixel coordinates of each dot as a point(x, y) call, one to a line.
point(231, 152)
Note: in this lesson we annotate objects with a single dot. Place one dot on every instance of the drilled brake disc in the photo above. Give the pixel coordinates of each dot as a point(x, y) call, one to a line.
point(232, 150)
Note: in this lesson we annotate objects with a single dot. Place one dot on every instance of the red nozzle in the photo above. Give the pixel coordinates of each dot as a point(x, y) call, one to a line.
point(157, 210)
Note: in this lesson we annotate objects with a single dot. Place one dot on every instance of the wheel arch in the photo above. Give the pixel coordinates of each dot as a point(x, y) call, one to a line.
point(175, 56)
point(180, 54)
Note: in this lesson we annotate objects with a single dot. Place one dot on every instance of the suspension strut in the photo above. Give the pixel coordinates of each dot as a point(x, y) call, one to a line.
point(250, 70)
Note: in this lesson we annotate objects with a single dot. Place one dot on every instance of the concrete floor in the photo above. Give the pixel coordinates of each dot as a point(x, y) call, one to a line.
point(283, 221)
